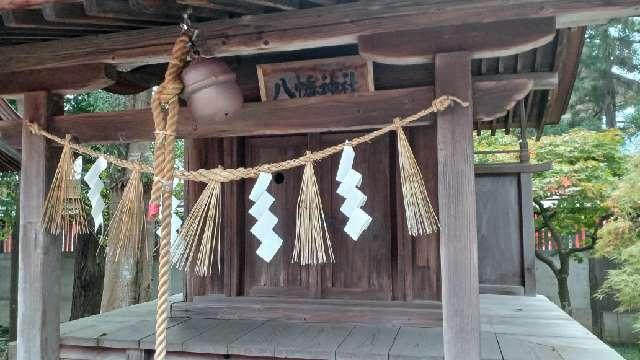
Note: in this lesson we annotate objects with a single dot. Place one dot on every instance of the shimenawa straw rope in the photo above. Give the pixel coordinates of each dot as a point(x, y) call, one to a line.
point(200, 234)
point(312, 245)
point(226, 175)
point(126, 225)
point(421, 219)
point(64, 209)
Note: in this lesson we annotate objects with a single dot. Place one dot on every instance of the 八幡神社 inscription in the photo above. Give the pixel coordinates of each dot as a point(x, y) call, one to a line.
point(314, 78)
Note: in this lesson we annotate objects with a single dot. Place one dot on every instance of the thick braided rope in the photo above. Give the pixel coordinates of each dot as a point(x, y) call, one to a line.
point(165, 106)
point(221, 174)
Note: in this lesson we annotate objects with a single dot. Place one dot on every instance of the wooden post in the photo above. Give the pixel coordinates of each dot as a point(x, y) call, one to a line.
point(457, 204)
point(526, 210)
point(40, 253)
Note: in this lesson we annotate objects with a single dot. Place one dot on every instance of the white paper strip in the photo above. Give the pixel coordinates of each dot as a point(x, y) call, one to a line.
point(354, 199)
point(77, 168)
point(92, 178)
point(270, 242)
point(176, 223)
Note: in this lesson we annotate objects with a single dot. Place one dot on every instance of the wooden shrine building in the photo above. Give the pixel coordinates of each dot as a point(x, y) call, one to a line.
point(389, 295)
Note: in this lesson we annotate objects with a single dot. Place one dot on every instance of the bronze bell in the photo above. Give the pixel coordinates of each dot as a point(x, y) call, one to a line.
point(211, 90)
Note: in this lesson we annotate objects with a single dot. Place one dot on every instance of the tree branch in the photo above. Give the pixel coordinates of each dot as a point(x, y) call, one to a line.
point(593, 236)
point(548, 261)
point(546, 219)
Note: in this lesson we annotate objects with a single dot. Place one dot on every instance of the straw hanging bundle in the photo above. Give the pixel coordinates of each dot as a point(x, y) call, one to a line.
point(63, 208)
point(200, 233)
point(421, 219)
point(312, 245)
point(127, 223)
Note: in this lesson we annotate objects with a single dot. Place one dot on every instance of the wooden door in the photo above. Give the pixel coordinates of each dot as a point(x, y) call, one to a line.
point(362, 268)
point(279, 277)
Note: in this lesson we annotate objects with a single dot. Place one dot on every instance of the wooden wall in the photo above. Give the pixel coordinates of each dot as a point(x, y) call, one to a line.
point(385, 263)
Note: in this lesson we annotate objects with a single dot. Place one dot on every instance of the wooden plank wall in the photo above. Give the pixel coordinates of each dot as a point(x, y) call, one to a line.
point(385, 263)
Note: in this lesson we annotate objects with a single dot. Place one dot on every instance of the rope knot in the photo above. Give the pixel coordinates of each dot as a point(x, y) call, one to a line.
point(397, 123)
point(441, 103)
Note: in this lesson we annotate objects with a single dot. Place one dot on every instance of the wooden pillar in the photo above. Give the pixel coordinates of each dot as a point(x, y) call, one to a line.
point(526, 210)
point(40, 253)
point(457, 204)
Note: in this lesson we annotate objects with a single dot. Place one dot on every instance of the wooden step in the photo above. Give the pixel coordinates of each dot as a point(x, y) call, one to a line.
point(420, 313)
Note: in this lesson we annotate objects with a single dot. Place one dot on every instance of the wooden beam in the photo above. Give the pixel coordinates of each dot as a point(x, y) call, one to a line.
point(457, 204)
point(65, 80)
point(482, 40)
point(74, 13)
point(348, 112)
point(277, 4)
point(512, 168)
point(307, 28)
point(33, 18)
point(7, 113)
point(40, 253)
point(173, 8)
point(567, 60)
point(540, 80)
point(121, 10)
point(22, 4)
point(224, 5)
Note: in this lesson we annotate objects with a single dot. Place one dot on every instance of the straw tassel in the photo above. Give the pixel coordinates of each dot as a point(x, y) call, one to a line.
point(63, 208)
point(127, 223)
point(199, 238)
point(421, 219)
point(312, 245)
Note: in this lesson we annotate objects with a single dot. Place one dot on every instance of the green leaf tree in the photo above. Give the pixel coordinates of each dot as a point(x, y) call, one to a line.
point(573, 195)
point(620, 242)
point(605, 83)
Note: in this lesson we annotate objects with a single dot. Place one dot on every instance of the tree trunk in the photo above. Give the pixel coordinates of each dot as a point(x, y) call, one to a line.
point(128, 281)
point(563, 283)
point(609, 102)
point(88, 275)
point(115, 294)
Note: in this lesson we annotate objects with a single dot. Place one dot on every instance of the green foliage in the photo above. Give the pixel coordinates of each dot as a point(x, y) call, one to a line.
point(586, 166)
point(486, 142)
point(609, 55)
point(620, 241)
point(628, 352)
point(9, 189)
point(95, 101)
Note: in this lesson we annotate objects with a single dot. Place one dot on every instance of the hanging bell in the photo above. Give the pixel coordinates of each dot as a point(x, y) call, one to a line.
point(211, 90)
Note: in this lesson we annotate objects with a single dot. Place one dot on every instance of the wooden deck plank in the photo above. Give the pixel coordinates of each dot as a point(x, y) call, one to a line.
point(129, 335)
point(543, 348)
point(260, 341)
point(216, 340)
point(414, 343)
point(372, 342)
point(179, 334)
point(311, 341)
point(88, 336)
point(538, 327)
point(524, 328)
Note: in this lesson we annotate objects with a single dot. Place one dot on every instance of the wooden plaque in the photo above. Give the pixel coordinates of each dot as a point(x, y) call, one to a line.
point(318, 77)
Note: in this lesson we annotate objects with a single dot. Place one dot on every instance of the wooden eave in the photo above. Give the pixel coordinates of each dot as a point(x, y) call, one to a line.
point(277, 34)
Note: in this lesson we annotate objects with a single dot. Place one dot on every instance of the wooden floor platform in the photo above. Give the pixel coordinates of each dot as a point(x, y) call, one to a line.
point(513, 328)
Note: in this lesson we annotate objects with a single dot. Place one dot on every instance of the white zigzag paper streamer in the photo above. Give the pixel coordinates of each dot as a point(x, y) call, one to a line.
point(354, 199)
point(270, 242)
point(92, 178)
point(175, 223)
